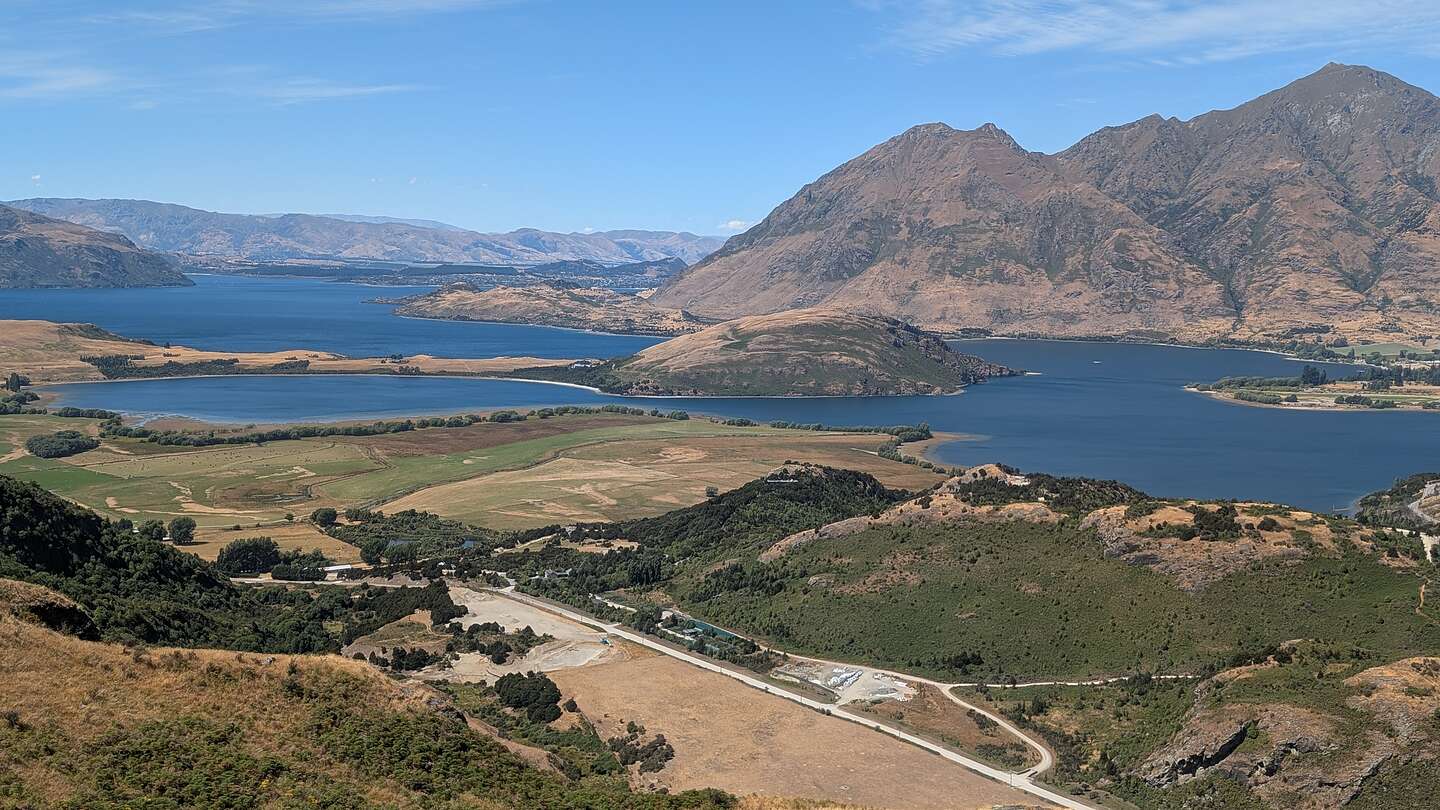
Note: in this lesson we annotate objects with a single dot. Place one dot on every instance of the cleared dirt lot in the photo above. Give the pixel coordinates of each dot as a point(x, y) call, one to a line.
point(625, 478)
point(575, 645)
point(513, 615)
point(730, 736)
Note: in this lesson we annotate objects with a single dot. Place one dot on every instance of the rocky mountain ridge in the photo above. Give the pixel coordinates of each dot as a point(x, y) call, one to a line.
point(1309, 211)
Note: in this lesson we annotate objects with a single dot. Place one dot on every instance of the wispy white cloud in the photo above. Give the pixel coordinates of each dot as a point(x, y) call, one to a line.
point(1165, 32)
point(190, 16)
point(45, 75)
point(303, 90)
point(35, 179)
point(88, 67)
point(733, 225)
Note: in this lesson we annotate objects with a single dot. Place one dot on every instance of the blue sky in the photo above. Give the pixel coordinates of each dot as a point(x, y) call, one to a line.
point(568, 115)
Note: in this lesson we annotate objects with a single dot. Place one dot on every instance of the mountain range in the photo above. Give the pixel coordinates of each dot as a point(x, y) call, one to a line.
point(1311, 210)
point(271, 237)
point(37, 251)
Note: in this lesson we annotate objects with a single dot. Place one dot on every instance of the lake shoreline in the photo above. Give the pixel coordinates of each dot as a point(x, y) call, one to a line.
point(1313, 407)
point(478, 376)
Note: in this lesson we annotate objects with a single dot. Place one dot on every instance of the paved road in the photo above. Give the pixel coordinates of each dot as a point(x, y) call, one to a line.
point(1021, 781)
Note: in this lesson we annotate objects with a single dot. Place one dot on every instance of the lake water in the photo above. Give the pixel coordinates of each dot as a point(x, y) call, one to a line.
point(1104, 410)
point(252, 314)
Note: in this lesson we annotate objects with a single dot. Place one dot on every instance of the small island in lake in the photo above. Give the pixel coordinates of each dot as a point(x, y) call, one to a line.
point(807, 352)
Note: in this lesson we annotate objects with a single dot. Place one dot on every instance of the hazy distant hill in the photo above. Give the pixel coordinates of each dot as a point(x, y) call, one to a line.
point(1314, 208)
point(419, 223)
point(36, 251)
point(179, 229)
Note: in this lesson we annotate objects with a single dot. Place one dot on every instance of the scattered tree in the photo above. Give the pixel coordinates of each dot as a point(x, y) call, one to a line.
point(533, 692)
point(182, 530)
point(248, 555)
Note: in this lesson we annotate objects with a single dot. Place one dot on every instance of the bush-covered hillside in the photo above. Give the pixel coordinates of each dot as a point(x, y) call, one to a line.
point(138, 589)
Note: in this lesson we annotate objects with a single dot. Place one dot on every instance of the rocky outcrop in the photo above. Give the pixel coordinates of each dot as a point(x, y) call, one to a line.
point(1161, 539)
point(1300, 756)
point(1312, 210)
point(1201, 744)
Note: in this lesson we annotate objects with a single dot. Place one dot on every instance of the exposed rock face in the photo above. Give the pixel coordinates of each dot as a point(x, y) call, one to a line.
point(1211, 742)
point(553, 305)
point(1298, 756)
point(1312, 206)
point(803, 353)
point(178, 229)
point(36, 251)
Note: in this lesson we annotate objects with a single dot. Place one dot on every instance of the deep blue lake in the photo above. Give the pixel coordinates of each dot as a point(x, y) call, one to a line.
point(1096, 409)
point(253, 314)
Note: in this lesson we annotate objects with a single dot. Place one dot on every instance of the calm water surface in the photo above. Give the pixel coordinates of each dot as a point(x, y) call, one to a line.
point(252, 314)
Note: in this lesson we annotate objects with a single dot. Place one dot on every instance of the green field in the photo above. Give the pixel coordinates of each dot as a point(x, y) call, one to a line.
point(249, 484)
point(253, 485)
point(217, 486)
point(402, 475)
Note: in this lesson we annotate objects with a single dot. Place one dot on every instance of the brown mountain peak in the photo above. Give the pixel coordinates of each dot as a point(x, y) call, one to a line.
point(1311, 210)
point(995, 133)
point(1338, 79)
point(933, 129)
